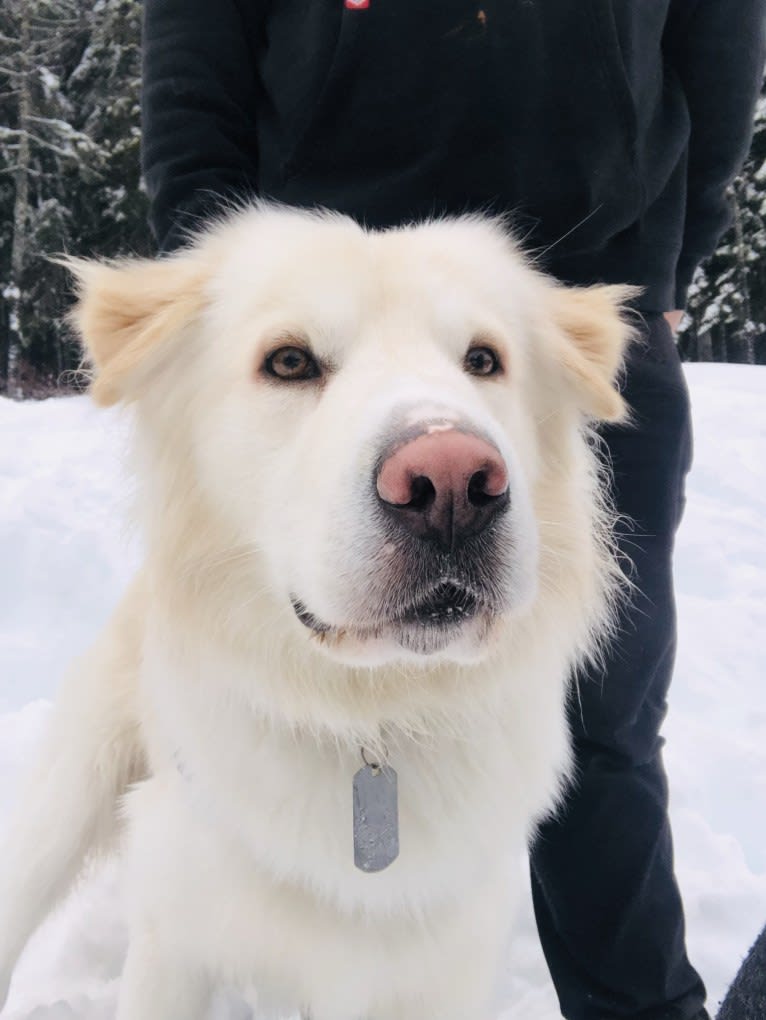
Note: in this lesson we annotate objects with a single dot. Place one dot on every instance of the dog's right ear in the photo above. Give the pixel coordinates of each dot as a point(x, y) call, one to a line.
point(126, 314)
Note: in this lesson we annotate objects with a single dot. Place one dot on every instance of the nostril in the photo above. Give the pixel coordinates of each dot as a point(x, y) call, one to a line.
point(477, 490)
point(423, 493)
point(405, 491)
point(487, 486)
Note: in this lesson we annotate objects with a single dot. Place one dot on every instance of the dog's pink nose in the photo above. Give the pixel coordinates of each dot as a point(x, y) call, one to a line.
point(444, 484)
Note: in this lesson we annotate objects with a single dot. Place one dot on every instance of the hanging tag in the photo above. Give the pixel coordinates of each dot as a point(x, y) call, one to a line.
point(376, 818)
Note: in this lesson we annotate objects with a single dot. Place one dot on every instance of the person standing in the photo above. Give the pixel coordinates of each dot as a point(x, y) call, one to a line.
point(608, 131)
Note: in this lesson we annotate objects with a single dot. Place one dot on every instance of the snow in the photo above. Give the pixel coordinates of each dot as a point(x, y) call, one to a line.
point(66, 557)
point(50, 82)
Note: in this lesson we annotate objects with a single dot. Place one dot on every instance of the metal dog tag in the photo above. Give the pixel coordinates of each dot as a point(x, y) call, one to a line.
point(376, 818)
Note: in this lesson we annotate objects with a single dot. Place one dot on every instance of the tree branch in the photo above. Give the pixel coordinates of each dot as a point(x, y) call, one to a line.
point(15, 72)
point(29, 170)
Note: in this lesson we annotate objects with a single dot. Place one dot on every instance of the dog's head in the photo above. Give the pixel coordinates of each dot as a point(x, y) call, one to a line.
point(372, 427)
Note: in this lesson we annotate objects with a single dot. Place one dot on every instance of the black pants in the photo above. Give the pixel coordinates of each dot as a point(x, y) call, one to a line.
point(607, 905)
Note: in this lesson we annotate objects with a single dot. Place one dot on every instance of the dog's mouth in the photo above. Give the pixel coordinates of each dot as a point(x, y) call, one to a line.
point(445, 607)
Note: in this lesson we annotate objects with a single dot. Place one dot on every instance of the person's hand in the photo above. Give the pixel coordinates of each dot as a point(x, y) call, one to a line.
point(674, 319)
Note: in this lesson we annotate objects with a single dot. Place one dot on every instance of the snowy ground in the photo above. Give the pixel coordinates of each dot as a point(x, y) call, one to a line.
point(65, 558)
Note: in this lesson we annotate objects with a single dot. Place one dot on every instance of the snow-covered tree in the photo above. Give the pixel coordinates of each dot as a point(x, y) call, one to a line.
point(105, 87)
point(39, 143)
point(727, 301)
point(69, 163)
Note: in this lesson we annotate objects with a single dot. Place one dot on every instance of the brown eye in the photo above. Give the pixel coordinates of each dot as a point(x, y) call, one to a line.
point(292, 364)
point(482, 361)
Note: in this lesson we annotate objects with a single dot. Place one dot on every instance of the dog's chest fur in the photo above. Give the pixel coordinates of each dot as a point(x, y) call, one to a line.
point(253, 833)
point(286, 797)
point(283, 794)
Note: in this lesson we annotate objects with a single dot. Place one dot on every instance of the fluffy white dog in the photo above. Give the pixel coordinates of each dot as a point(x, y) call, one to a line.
point(331, 709)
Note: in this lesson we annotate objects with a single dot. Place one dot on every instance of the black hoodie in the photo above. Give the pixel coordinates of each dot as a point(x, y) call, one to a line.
point(609, 129)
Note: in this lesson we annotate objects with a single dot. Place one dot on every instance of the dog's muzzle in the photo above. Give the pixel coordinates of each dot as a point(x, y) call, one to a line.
point(441, 497)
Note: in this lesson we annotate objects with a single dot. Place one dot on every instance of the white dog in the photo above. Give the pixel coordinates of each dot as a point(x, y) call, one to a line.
point(331, 709)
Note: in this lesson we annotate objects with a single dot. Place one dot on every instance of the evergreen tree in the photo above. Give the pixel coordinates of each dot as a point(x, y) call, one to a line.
point(105, 87)
point(40, 143)
point(727, 301)
point(69, 147)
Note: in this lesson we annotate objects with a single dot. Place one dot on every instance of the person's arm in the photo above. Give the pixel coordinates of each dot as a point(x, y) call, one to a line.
point(717, 49)
point(198, 134)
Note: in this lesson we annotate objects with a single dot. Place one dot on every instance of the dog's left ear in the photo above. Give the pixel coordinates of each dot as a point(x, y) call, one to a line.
point(127, 313)
point(595, 336)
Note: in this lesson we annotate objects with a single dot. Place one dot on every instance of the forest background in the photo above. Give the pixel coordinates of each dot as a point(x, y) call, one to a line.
point(70, 76)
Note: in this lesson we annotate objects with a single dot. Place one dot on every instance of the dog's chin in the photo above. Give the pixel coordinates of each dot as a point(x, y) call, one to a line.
point(463, 644)
point(447, 627)
point(421, 638)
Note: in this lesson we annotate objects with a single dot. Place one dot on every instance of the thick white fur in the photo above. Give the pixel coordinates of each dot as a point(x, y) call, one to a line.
point(224, 731)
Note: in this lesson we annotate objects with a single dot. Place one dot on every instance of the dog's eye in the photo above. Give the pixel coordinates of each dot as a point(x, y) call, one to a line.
point(482, 361)
point(292, 364)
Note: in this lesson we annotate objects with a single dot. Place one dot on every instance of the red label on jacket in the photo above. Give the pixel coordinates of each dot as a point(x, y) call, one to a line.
point(357, 5)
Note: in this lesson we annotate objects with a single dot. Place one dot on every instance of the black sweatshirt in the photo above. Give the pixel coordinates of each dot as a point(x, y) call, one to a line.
point(609, 129)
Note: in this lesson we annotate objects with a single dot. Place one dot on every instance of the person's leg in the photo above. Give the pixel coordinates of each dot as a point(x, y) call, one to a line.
point(607, 905)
